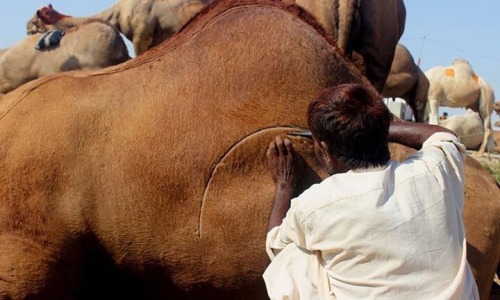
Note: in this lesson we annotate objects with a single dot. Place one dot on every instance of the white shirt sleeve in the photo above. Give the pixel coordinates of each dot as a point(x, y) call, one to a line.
point(453, 150)
point(445, 157)
point(290, 231)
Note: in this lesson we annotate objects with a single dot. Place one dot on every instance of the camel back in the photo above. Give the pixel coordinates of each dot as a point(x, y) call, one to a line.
point(143, 147)
point(162, 159)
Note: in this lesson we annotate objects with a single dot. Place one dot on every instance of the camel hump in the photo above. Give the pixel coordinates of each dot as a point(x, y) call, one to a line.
point(462, 66)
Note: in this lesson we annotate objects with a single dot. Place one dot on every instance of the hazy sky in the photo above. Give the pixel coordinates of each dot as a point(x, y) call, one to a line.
point(437, 31)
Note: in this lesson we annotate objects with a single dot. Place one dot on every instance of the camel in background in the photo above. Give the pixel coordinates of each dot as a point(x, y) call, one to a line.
point(469, 128)
point(496, 108)
point(149, 179)
point(367, 31)
point(459, 86)
point(146, 23)
point(407, 81)
point(93, 45)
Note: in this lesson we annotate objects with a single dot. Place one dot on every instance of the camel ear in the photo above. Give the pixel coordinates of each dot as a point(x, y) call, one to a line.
point(50, 5)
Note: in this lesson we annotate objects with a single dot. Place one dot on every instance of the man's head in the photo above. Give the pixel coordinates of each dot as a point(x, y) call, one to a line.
point(350, 126)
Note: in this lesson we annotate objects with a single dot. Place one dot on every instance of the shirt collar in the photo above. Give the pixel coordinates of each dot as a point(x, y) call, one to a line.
point(369, 169)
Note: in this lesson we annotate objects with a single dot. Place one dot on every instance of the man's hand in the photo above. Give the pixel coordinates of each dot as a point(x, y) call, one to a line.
point(283, 162)
point(286, 169)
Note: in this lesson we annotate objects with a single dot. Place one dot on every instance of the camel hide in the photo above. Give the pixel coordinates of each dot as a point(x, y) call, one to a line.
point(148, 179)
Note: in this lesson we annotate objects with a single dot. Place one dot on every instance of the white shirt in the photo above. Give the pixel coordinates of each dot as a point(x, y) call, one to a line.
point(391, 233)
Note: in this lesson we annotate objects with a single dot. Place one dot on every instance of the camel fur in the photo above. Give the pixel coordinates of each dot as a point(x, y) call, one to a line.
point(146, 23)
point(469, 128)
point(367, 31)
point(149, 179)
point(459, 86)
point(407, 81)
point(94, 45)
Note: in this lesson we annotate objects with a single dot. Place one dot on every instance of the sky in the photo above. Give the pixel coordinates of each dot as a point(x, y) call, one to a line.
point(437, 32)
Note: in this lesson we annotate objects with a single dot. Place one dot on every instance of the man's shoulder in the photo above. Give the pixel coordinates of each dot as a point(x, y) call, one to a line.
point(335, 189)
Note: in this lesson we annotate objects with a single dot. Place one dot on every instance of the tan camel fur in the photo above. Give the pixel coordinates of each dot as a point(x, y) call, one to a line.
point(146, 23)
point(92, 46)
point(469, 128)
point(407, 81)
point(369, 28)
point(148, 180)
point(459, 86)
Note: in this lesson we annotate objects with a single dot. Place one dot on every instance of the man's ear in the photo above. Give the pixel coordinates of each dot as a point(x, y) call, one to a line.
point(334, 165)
point(325, 151)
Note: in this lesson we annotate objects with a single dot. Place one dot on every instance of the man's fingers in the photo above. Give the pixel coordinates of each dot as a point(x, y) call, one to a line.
point(271, 152)
point(288, 146)
point(280, 145)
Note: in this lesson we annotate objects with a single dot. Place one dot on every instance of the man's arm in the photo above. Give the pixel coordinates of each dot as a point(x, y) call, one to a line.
point(286, 170)
point(413, 135)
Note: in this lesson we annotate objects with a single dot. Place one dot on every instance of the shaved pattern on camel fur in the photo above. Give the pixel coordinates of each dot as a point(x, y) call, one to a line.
point(150, 176)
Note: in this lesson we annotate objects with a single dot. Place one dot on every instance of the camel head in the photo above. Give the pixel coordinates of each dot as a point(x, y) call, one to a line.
point(49, 15)
point(44, 19)
point(35, 25)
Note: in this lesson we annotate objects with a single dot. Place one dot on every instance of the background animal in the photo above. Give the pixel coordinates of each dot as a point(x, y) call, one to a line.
point(407, 81)
point(459, 86)
point(469, 127)
point(149, 178)
point(93, 45)
point(496, 108)
point(370, 29)
point(146, 23)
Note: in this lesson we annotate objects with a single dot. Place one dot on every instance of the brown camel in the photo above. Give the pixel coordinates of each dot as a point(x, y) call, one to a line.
point(371, 29)
point(149, 179)
point(407, 81)
point(146, 23)
point(93, 45)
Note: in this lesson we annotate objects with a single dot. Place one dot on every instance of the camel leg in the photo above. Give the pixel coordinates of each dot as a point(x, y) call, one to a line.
point(141, 44)
point(486, 103)
point(486, 139)
point(433, 110)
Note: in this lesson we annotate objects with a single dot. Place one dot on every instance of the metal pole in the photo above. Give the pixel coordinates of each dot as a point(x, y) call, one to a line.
point(421, 49)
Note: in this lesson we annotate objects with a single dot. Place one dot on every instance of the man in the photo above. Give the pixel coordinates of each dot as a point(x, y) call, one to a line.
point(375, 229)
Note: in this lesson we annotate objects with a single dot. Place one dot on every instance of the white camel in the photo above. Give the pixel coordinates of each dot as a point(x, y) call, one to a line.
point(93, 45)
point(146, 23)
point(459, 86)
point(469, 128)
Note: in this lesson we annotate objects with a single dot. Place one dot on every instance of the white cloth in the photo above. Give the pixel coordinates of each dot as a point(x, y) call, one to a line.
point(390, 233)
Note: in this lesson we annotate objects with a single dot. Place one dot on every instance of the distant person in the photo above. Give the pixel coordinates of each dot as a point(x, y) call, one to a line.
point(444, 116)
point(374, 229)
